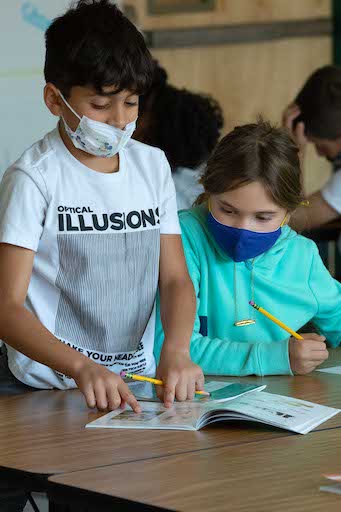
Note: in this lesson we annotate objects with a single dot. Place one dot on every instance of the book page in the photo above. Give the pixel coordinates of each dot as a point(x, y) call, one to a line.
point(336, 370)
point(182, 416)
point(282, 411)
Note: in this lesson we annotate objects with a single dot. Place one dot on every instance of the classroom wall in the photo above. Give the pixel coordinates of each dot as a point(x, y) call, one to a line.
point(248, 78)
point(230, 12)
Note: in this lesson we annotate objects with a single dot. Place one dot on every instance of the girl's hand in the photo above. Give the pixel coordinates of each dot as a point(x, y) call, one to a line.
point(305, 355)
point(102, 388)
point(181, 377)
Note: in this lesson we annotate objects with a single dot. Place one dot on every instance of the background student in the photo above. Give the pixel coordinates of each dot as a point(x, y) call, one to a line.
point(185, 125)
point(315, 117)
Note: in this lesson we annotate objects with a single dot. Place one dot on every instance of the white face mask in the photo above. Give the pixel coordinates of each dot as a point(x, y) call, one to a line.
point(96, 138)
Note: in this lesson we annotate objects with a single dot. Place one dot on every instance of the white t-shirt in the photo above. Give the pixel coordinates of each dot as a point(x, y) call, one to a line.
point(97, 243)
point(331, 193)
point(187, 186)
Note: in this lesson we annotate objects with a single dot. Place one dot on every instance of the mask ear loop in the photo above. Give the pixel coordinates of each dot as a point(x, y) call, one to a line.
point(69, 106)
point(303, 203)
point(284, 221)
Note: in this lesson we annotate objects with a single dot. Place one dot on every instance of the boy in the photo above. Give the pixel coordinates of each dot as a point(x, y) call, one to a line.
point(315, 116)
point(89, 228)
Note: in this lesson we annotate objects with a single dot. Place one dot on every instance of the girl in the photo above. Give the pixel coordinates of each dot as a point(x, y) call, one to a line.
point(239, 247)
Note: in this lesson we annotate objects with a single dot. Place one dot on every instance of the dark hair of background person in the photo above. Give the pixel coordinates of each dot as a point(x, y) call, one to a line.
point(256, 152)
point(185, 125)
point(320, 103)
point(94, 44)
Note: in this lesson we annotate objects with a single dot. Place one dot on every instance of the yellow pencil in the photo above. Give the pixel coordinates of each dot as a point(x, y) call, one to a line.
point(274, 319)
point(153, 381)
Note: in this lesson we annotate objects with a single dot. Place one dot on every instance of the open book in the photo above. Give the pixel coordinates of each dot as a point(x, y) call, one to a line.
point(276, 410)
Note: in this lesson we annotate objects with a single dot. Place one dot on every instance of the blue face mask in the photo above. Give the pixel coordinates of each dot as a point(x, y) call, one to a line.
point(241, 244)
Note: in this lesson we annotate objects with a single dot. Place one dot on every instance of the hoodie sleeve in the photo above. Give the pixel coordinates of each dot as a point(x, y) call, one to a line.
point(221, 356)
point(327, 293)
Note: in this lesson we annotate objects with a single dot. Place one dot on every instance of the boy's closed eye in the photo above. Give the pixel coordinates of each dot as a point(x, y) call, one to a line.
point(100, 107)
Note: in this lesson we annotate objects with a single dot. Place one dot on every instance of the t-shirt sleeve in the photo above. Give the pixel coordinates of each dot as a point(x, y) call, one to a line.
point(331, 193)
point(169, 221)
point(22, 209)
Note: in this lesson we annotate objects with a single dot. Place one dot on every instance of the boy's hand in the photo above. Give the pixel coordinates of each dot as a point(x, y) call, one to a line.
point(289, 115)
point(180, 375)
point(102, 388)
point(305, 355)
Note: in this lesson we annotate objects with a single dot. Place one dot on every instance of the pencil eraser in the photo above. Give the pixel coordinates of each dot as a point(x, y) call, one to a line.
point(252, 303)
point(123, 374)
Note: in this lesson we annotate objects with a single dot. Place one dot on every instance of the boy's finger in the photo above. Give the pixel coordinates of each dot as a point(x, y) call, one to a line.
point(128, 397)
point(159, 392)
point(114, 398)
point(101, 397)
point(200, 383)
point(190, 390)
point(169, 390)
point(89, 396)
point(181, 390)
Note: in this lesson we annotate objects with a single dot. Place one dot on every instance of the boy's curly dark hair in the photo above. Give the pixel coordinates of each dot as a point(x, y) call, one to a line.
point(94, 44)
point(185, 125)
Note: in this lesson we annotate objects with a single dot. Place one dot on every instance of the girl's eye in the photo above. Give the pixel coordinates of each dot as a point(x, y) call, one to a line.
point(131, 103)
point(264, 219)
point(228, 212)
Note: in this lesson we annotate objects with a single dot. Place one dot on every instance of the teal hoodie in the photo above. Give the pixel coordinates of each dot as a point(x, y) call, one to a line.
point(290, 281)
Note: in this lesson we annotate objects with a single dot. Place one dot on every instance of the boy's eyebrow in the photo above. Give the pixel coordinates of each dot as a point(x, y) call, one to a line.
point(110, 93)
point(102, 93)
point(225, 203)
